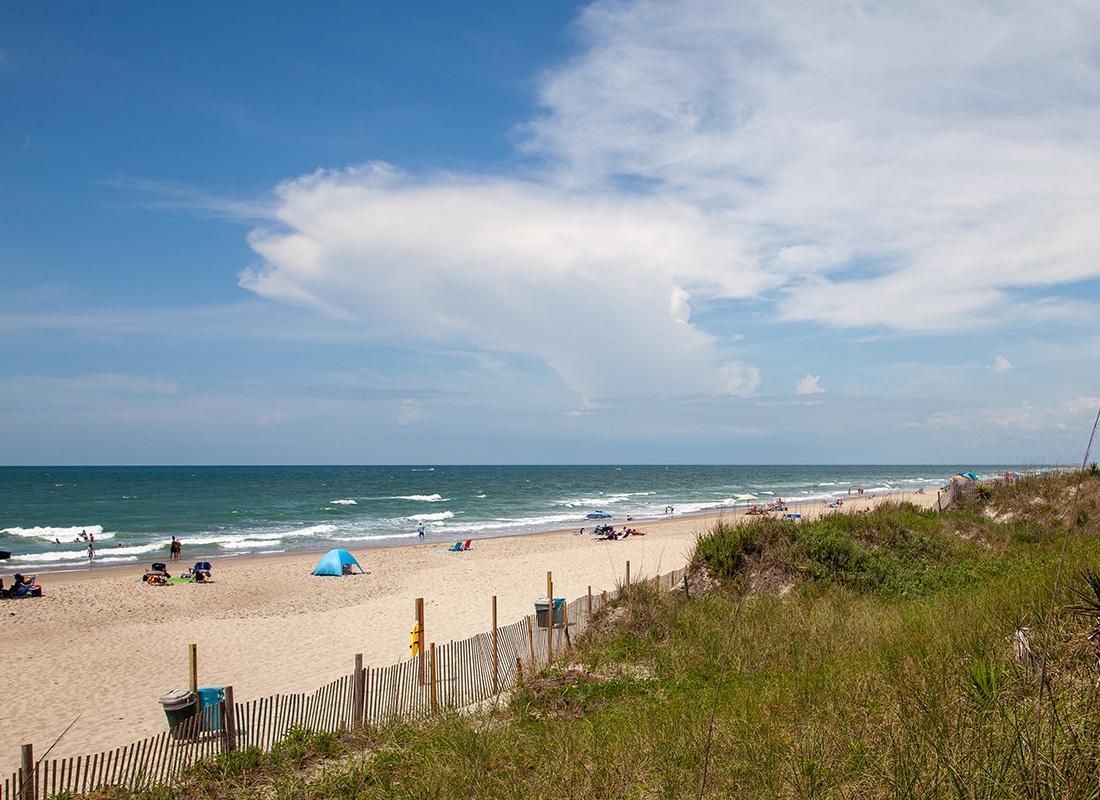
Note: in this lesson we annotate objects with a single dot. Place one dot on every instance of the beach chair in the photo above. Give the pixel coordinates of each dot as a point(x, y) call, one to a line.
point(467, 545)
point(157, 574)
point(456, 548)
point(200, 573)
point(22, 587)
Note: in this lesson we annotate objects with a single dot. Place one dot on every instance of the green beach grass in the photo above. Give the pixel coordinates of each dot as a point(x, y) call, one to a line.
point(901, 653)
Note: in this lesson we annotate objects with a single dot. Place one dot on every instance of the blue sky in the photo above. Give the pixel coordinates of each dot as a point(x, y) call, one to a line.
point(656, 232)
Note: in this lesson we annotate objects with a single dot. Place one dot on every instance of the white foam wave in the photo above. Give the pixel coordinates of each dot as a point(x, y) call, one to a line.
point(237, 541)
point(549, 522)
point(596, 502)
point(439, 517)
point(343, 502)
point(421, 498)
point(374, 537)
point(66, 534)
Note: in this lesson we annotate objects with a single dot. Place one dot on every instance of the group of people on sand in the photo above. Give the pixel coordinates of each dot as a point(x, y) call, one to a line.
point(608, 532)
point(770, 508)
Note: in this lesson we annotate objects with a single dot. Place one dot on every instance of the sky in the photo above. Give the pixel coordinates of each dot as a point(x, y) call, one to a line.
point(770, 231)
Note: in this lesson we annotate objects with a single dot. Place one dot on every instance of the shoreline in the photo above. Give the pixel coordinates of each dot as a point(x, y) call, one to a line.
point(739, 509)
point(104, 645)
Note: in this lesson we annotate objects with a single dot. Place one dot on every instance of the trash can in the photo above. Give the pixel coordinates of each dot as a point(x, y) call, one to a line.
point(542, 611)
point(210, 700)
point(179, 705)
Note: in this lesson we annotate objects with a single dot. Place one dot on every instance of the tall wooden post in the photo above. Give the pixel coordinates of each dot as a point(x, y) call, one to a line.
point(628, 579)
point(590, 600)
point(531, 643)
point(358, 691)
point(550, 619)
point(496, 650)
point(420, 639)
point(435, 701)
point(27, 788)
point(194, 668)
point(229, 714)
point(565, 622)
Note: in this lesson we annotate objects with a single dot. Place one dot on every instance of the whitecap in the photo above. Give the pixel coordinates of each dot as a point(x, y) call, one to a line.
point(439, 517)
point(66, 534)
point(343, 502)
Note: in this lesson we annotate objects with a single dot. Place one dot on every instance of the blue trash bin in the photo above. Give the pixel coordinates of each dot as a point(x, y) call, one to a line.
point(210, 708)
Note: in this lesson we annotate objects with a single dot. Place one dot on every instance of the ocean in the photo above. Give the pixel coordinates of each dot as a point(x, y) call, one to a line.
point(217, 512)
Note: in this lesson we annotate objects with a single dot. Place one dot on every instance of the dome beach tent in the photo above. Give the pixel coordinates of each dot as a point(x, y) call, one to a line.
point(334, 562)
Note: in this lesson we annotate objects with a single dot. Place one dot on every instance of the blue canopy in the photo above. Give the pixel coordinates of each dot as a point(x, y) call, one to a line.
point(598, 515)
point(334, 561)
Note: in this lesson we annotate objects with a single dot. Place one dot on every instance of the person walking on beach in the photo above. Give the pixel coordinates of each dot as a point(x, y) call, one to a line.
point(420, 530)
point(175, 548)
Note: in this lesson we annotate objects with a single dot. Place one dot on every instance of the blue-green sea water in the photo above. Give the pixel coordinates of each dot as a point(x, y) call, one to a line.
point(133, 512)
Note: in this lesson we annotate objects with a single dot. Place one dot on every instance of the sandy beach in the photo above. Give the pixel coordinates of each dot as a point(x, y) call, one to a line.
point(103, 646)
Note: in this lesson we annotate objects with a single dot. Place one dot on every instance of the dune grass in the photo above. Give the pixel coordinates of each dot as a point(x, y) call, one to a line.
point(859, 656)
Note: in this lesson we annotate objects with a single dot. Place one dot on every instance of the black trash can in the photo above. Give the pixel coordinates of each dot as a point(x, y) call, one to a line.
point(179, 705)
point(542, 611)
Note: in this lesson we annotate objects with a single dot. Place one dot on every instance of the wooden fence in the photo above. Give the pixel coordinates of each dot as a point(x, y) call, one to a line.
point(450, 676)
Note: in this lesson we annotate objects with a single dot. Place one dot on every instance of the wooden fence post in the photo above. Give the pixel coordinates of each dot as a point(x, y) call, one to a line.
point(550, 619)
point(358, 694)
point(531, 644)
point(565, 622)
point(687, 592)
point(496, 650)
point(435, 702)
point(229, 715)
point(27, 788)
point(194, 667)
point(420, 637)
point(590, 600)
point(627, 579)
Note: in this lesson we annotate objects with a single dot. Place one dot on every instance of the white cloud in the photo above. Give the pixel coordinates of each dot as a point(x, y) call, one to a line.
point(912, 166)
point(597, 286)
point(411, 411)
point(809, 385)
point(1000, 364)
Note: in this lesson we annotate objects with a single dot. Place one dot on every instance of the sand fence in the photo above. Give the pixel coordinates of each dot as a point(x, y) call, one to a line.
point(451, 676)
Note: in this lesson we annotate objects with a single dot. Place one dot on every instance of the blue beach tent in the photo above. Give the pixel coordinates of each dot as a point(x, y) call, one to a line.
point(336, 562)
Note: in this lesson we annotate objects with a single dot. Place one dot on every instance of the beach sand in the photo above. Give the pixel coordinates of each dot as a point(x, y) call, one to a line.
point(102, 645)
